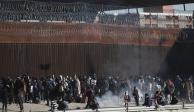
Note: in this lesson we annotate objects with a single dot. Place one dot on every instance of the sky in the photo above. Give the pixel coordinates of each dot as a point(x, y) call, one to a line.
point(187, 6)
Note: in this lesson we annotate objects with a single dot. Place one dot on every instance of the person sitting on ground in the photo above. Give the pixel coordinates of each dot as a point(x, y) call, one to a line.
point(158, 99)
point(62, 105)
point(174, 100)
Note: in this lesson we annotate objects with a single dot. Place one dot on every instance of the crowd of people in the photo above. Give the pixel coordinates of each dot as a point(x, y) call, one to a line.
point(84, 89)
point(161, 92)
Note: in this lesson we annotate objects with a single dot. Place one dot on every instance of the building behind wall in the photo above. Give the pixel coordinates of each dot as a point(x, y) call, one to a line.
point(165, 17)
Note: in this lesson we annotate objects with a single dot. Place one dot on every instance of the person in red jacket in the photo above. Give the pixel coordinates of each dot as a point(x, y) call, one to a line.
point(126, 99)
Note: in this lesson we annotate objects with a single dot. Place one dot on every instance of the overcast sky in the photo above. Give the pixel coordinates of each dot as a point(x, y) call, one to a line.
point(187, 6)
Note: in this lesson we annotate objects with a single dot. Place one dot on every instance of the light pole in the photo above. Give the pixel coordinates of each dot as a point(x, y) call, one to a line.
point(184, 7)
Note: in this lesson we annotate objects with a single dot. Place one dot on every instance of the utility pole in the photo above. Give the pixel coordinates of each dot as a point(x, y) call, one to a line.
point(184, 7)
point(173, 17)
point(150, 19)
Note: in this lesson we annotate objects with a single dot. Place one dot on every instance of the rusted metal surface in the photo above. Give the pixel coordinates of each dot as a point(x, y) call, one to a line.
point(79, 58)
point(82, 48)
point(12, 32)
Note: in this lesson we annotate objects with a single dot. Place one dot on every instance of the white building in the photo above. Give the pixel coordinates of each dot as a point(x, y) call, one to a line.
point(166, 20)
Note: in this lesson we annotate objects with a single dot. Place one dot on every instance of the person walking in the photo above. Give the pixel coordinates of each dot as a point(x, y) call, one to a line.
point(126, 99)
point(189, 90)
point(20, 92)
point(136, 96)
point(5, 91)
point(169, 89)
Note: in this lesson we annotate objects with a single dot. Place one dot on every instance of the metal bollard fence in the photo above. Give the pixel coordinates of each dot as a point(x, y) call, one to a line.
point(183, 105)
point(53, 106)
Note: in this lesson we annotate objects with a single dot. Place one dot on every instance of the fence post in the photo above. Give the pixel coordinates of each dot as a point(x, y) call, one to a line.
point(183, 105)
point(53, 106)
